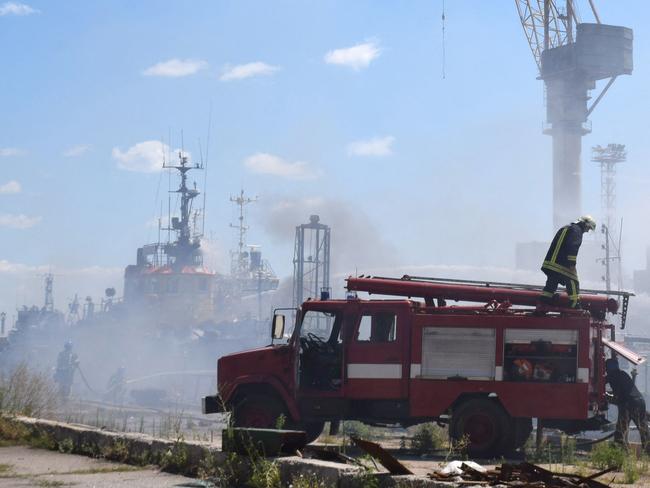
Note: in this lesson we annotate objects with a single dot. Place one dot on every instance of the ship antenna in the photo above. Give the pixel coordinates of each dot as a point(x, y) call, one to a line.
point(205, 174)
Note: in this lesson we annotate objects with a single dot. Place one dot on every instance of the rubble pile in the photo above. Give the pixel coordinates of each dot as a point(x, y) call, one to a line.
point(516, 475)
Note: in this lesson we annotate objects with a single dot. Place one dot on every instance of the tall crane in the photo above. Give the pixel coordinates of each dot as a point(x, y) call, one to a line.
point(571, 56)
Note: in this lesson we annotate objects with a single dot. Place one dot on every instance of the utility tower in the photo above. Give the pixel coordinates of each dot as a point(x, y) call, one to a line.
point(608, 158)
point(571, 57)
point(49, 293)
point(311, 260)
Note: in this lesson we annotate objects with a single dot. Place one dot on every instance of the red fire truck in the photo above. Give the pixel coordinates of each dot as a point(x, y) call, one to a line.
point(486, 367)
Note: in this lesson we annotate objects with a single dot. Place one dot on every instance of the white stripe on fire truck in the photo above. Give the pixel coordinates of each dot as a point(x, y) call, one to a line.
point(415, 370)
point(583, 375)
point(375, 371)
point(498, 373)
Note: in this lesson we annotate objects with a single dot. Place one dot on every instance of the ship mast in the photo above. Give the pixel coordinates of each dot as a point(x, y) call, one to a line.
point(185, 250)
point(239, 262)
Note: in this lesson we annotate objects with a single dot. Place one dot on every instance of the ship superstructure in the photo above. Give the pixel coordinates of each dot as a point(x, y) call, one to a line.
point(169, 279)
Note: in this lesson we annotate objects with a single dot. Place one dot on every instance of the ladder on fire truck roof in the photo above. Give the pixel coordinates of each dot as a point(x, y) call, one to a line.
point(501, 284)
point(521, 293)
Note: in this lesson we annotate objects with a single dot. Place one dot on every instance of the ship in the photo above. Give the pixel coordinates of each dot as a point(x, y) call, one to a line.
point(176, 316)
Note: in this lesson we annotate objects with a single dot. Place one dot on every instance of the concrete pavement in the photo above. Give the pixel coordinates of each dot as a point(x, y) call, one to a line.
point(22, 466)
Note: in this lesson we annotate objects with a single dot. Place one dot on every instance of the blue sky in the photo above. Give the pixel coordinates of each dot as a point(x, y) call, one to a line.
point(331, 107)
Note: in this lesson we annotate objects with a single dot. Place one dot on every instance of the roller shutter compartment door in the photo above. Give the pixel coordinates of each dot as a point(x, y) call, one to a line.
point(453, 351)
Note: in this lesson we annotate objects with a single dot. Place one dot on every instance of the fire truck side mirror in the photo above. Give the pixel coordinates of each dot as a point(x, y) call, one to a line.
point(277, 330)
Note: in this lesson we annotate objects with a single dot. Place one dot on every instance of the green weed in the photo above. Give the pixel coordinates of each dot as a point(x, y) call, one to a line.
point(607, 455)
point(353, 428)
point(25, 392)
point(428, 438)
point(630, 470)
point(280, 422)
point(66, 446)
point(307, 481)
point(117, 451)
point(175, 458)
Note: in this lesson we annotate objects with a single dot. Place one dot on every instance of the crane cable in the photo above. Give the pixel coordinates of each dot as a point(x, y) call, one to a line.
point(443, 40)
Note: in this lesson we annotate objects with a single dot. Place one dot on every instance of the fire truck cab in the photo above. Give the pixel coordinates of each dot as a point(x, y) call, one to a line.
point(486, 370)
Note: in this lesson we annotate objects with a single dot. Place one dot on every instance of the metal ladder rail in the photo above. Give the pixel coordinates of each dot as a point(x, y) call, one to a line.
point(498, 284)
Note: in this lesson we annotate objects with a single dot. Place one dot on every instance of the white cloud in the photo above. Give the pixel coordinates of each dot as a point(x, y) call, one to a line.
point(78, 150)
point(143, 157)
point(10, 151)
point(377, 146)
point(10, 187)
point(146, 156)
point(269, 164)
point(13, 8)
point(174, 68)
point(18, 221)
point(355, 57)
point(241, 71)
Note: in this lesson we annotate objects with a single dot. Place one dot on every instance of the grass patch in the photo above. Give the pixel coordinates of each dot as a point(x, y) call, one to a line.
point(103, 470)
point(5, 468)
point(50, 483)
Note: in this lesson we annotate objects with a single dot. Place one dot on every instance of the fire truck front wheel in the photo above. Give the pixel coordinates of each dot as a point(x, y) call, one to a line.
point(313, 430)
point(258, 410)
point(482, 425)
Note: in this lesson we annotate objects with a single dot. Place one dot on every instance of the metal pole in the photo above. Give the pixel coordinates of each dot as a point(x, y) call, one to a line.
point(539, 436)
point(608, 281)
point(316, 263)
point(547, 12)
point(569, 20)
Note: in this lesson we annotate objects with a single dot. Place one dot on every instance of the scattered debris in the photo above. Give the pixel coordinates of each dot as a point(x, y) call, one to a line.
point(327, 454)
point(456, 468)
point(386, 459)
point(515, 475)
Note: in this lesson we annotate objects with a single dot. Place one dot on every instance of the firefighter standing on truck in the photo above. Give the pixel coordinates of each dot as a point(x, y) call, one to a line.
point(560, 262)
point(630, 403)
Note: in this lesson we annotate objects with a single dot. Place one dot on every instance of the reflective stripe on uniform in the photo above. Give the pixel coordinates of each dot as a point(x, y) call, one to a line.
point(547, 294)
point(572, 258)
point(573, 293)
point(558, 268)
point(558, 245)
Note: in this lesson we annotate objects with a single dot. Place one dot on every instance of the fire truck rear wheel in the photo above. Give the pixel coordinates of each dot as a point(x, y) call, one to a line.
point(483, 424)
point(258, 410)
point(518, 433)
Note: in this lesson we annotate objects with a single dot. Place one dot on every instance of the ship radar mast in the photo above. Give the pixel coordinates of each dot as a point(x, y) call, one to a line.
point(185, 250)
point(239, 259)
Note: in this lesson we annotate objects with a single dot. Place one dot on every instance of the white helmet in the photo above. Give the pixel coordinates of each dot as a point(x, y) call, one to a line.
point(588, 221)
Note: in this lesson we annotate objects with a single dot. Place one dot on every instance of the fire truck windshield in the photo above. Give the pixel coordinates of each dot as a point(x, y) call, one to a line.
point(319, 324)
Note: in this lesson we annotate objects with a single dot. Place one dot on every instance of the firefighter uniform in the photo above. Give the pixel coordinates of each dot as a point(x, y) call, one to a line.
point(560, 264)
point(630, 402)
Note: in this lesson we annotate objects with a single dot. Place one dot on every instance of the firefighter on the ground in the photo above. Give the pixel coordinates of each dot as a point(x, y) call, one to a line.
point(560, 262)
point(630, 403)
point(116, 387)
point(66, 364)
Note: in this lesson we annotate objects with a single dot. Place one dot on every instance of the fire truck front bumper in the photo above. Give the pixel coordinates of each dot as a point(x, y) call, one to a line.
point(212, 404)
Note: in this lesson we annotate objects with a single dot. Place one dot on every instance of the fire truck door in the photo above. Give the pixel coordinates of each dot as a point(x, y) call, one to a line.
point(375, 360)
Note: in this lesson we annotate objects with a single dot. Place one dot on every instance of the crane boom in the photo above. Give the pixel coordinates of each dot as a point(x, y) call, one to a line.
point(544, 26)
